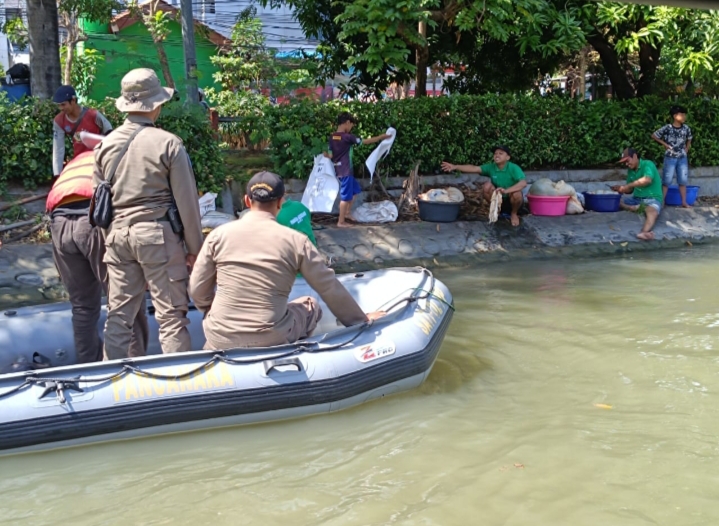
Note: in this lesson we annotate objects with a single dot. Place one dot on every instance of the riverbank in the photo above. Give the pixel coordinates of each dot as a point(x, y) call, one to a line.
point(28, 274)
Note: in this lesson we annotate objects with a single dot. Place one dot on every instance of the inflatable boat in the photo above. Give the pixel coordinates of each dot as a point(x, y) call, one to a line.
point(57, 404)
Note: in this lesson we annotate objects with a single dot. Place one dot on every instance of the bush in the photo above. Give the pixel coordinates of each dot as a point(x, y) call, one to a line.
point(543, 133)
point(26, 148)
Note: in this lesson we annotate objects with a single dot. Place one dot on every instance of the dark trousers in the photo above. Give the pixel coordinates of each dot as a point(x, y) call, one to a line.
point(78, 249)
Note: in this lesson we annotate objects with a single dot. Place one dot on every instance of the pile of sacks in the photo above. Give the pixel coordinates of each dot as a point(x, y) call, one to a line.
point(546, 187)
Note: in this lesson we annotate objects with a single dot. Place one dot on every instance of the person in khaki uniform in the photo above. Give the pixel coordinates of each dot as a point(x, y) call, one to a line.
point(253, 263)
point(142, 246)
point(78, 249)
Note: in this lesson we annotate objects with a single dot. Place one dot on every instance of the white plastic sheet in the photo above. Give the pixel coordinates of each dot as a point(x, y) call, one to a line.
point(213, 219)
point(322, 187)
point(380, 152)
point(379, 212)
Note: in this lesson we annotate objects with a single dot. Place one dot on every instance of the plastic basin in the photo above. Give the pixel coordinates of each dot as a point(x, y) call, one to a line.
point(438, 212)
point(548, 205)
point(602, 202)
point(674, 199)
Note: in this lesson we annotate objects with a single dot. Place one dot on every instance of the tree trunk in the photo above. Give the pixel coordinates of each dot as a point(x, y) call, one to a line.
point(422, 61)
point(648, 62)
point(583, 73)
point(164, 64)
point(42, 29)
point(621, 86)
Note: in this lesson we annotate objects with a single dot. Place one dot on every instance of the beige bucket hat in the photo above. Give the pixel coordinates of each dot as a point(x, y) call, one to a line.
point(142, 91)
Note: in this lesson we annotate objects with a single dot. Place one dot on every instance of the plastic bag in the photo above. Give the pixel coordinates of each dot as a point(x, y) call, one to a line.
point(574, 206)
point(213, 219)
point(207, 203)
point(379, 212)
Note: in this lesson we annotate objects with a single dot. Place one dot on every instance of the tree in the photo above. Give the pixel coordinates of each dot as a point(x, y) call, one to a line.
point(157, 22)
point(42, 33)
point(390, 40)
point(70, 12)
point(632, 39)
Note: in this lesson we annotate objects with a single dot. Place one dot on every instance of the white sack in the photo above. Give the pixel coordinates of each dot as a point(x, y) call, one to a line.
point(379, 212)
point(207, 203)
point(322, 186)
point(213, 219)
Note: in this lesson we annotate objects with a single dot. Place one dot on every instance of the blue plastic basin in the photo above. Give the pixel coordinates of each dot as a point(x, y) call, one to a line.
point(601, 202)
point(674, 199)
point(16, 91)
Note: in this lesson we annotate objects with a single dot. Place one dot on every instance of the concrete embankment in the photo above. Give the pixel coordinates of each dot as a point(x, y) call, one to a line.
point(27, 272)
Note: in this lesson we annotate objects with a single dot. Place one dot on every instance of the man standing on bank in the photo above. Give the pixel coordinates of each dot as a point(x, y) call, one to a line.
point(505, 177)
point(242, 287)
point(152, 185)
point(644, 182)
point(677, 140)
point(71, 120)
point(78, 249)
point(342, 144)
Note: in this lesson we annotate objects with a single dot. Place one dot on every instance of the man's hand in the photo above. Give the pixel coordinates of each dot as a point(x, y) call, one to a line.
point(385, 136)
point(371, 316)
point(501, 191)
point(328, 155)
point(190, 262)
point(616, 188)
point(448, 167)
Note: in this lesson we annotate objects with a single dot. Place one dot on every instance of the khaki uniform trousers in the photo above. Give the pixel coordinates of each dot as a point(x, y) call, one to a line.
point(305, 312)
point(146, 253)
point(78, 249)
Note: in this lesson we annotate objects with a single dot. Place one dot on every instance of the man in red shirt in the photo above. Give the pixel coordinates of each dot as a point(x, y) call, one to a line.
point(71, 120)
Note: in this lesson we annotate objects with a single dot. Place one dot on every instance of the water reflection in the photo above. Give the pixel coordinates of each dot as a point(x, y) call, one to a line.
point(579, 392)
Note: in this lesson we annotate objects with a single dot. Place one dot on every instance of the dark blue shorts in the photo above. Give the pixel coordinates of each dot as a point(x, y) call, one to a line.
point(349, 187)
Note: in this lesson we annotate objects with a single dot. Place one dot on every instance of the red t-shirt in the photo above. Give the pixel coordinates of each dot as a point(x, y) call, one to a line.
point(87, 124)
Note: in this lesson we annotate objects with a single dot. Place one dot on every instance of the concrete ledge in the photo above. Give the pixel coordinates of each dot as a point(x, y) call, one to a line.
point(28, 274)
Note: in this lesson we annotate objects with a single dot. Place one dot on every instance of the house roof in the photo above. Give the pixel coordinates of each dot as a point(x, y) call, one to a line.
point(126, 19)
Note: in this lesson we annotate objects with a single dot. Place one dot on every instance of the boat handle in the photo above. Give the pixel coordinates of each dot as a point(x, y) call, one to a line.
point(283, 362)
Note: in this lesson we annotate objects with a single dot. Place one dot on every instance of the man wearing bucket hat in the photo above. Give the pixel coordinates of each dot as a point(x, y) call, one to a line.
point(645, 183)
point(504, 176)
point(72, 120)
point(243, 288)
point(155, 233)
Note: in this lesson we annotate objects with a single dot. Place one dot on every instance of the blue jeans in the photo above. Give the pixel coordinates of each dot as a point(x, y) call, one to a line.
point(672, 165)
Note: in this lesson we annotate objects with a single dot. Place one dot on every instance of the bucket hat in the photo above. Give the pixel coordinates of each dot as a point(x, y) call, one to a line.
point(142, 91)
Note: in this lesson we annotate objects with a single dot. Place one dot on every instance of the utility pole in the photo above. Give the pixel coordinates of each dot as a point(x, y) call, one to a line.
point(188, 43)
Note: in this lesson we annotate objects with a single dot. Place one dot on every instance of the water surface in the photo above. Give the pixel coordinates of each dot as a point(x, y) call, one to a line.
point(566, 393)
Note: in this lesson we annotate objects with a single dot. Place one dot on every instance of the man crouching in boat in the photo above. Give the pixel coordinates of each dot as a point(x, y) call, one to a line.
point(78, 249)
point(253, 264)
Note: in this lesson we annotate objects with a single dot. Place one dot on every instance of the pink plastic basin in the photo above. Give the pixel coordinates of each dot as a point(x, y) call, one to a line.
point(546, 205)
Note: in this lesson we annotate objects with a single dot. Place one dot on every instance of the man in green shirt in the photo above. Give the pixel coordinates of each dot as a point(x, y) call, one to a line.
point(504, 177)
point(295, 215)
point(645, 185)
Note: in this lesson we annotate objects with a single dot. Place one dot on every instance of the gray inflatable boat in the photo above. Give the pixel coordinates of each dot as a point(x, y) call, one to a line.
point(335, 368)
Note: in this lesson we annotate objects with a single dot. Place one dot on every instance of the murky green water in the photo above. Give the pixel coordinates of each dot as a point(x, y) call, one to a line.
point(579, 393)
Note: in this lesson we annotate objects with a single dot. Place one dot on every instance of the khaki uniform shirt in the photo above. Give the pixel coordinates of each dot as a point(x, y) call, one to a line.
point(253, 263)
point(155, 167)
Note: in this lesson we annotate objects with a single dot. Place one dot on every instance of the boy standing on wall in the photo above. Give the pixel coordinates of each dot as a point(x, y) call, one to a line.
point(341, 144)
point(677, 139)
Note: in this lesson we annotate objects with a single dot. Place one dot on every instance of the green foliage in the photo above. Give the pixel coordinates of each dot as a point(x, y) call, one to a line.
point(250, 108)
point(543, 133)
point(26, 149)
point(16, 31)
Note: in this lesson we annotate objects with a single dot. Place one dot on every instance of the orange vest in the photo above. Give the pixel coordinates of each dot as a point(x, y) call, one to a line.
point(74, 183)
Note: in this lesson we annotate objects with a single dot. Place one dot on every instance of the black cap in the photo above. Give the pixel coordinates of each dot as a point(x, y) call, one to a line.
point(265, 187)
point(64, 94)
point(677, 109)
point(505, 149)
point(628, 154)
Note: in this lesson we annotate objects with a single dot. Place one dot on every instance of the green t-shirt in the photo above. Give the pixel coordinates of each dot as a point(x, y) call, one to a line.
point(509, 176)
point(297, 216)
point(647, 168)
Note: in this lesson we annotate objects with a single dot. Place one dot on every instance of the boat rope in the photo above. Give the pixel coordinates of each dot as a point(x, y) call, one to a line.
point(302, 346)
